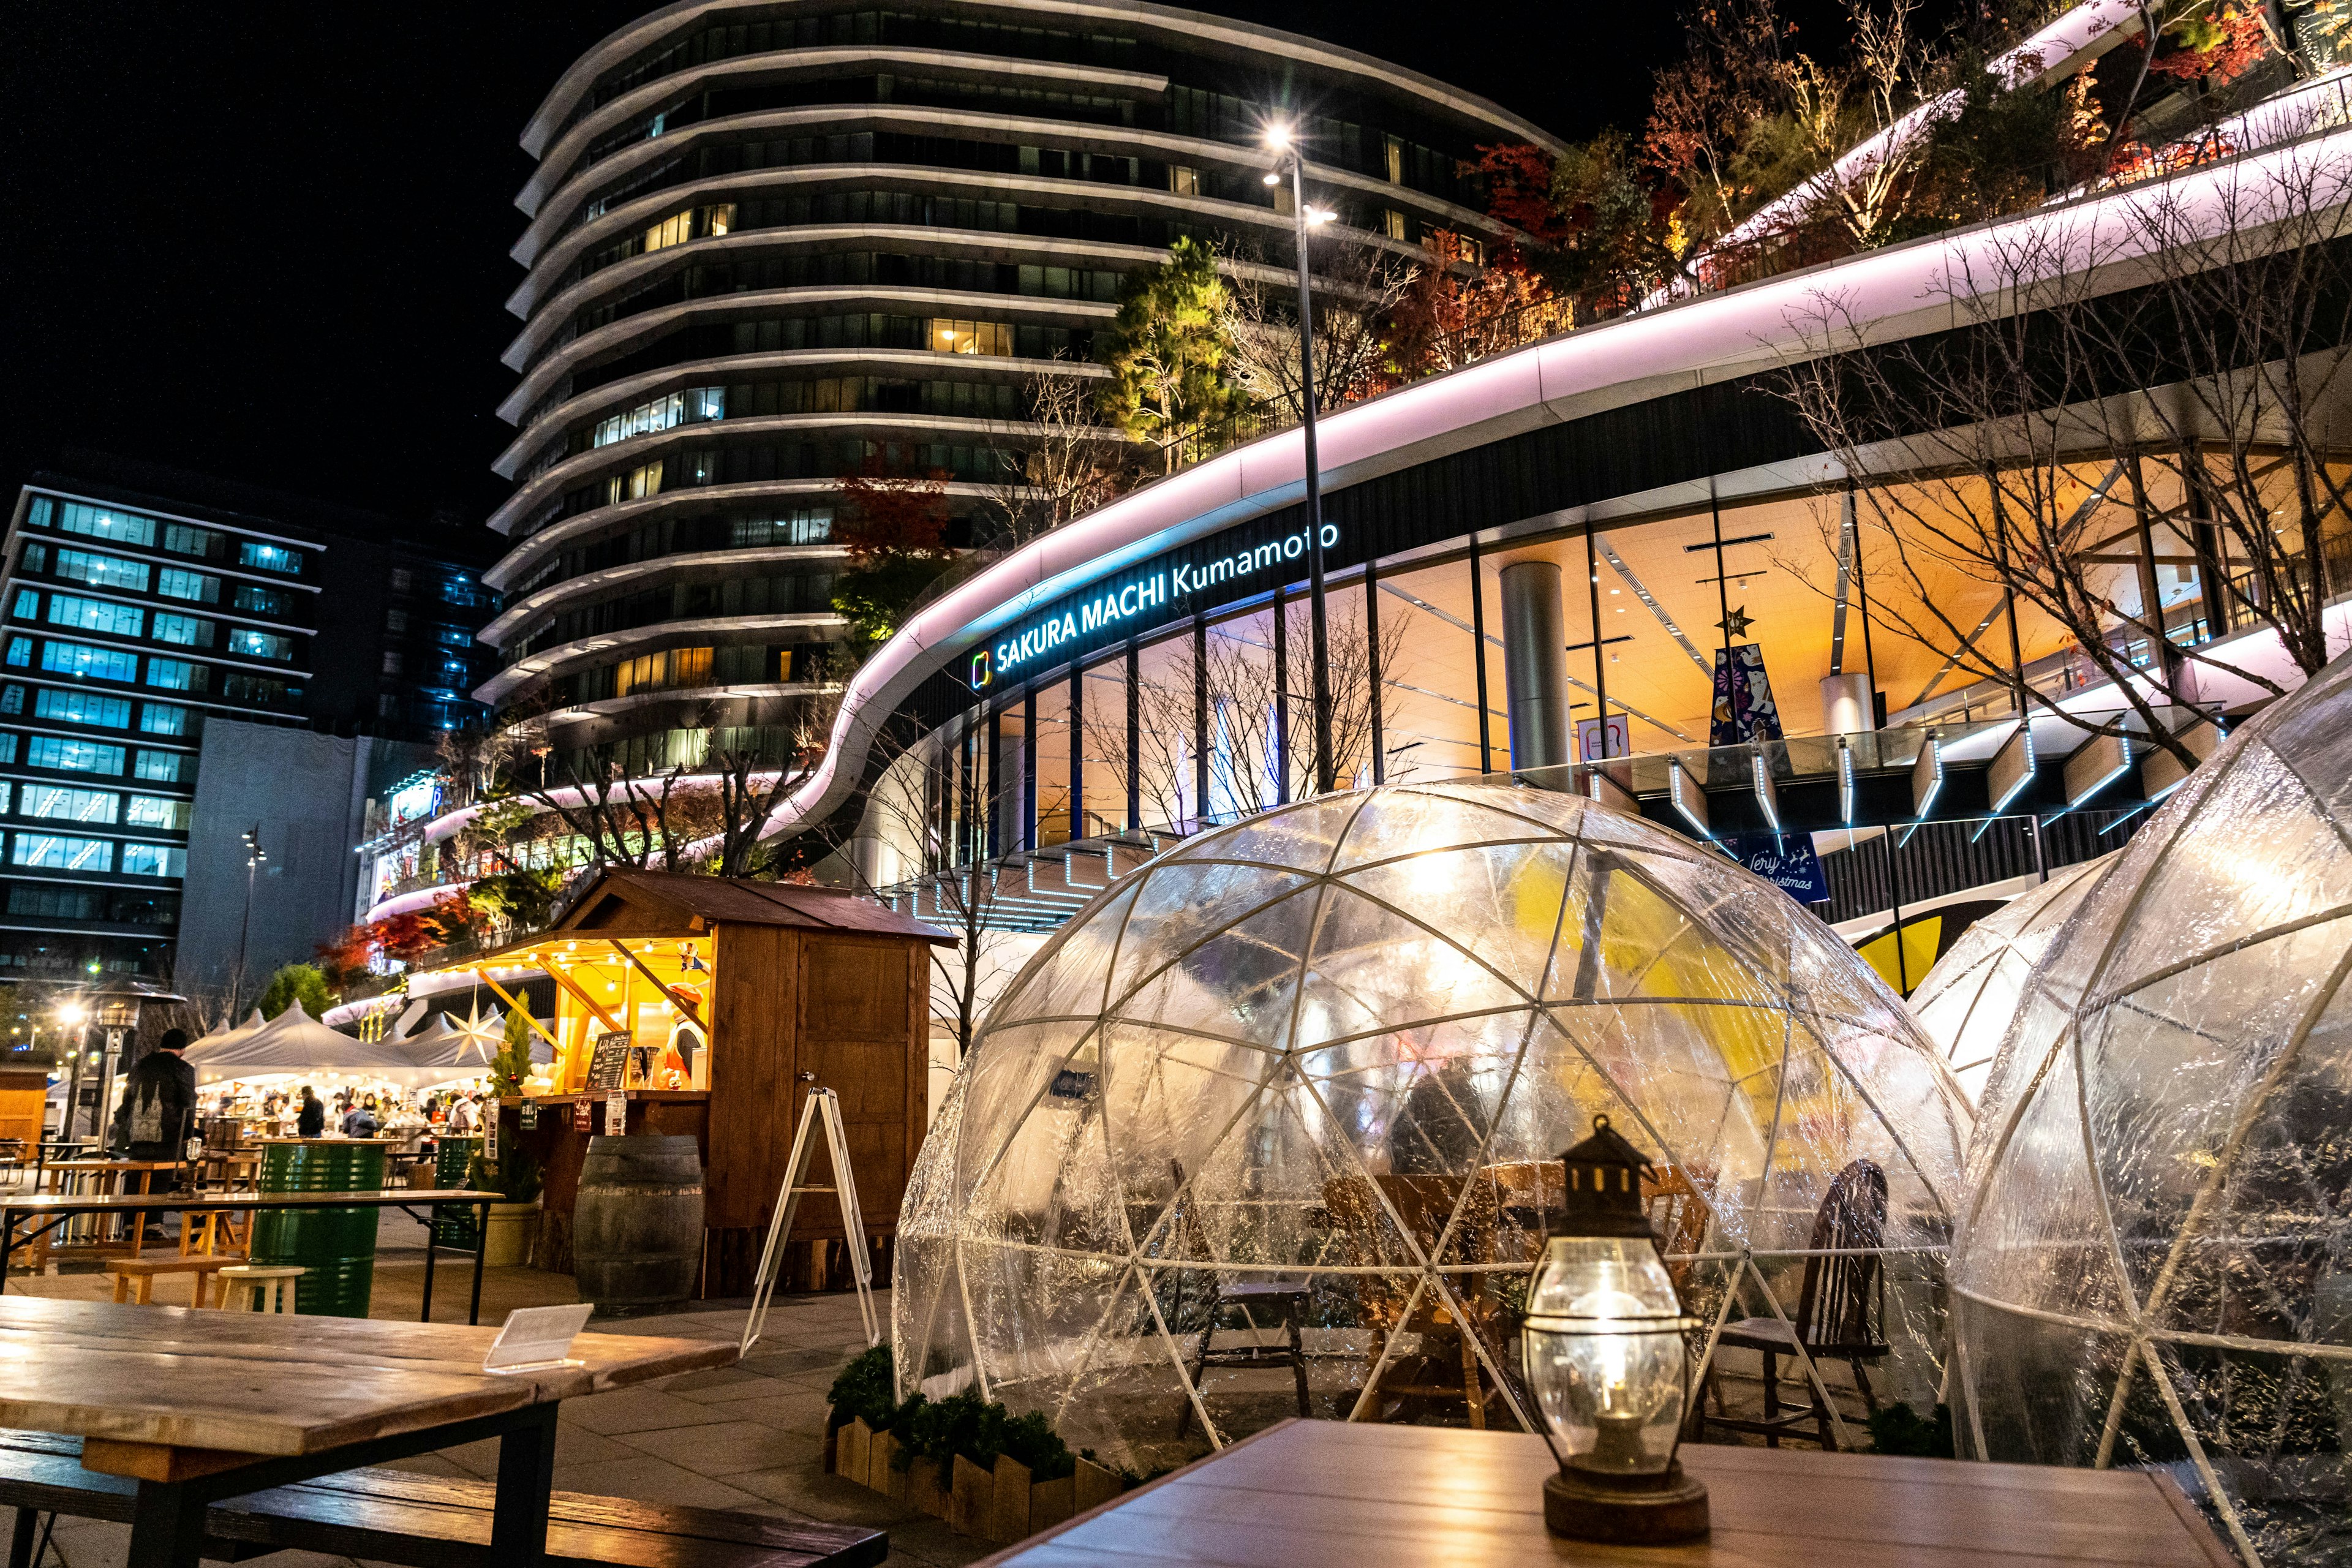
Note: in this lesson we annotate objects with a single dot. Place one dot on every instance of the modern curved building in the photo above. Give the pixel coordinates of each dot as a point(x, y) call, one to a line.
point(771, 241)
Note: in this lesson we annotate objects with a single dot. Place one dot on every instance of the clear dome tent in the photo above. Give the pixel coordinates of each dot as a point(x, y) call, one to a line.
point(1332, 1051)
point(2156, 1266)
point(1966, 1002)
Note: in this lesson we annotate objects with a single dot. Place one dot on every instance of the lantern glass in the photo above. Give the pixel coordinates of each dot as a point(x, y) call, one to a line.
point(1605, 1354)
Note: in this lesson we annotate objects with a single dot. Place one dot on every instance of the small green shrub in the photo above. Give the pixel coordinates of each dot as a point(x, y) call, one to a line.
point(1899, 1429)
point(866, 1389)
point(939, 1429)
point(1031, 1440)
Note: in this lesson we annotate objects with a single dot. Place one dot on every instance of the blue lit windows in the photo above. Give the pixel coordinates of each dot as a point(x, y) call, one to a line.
point(268, 557)
point(62, 803)
point(176, 675)
point(57, 852)
point(99, 522)
point(802, 525)
point(20, 651)
point(28, 604)
point(155, 811)
point(163, 719)
point(156, 767)
point(81, 708)
point(74, 756)
point(153, 861)
point(97, 616)
point(185, 539)
point(691, 407)
point(187, 631)
point(260, 645)
point(103, 570)
point(197, 587)
point(78, 659)
point(271, 602)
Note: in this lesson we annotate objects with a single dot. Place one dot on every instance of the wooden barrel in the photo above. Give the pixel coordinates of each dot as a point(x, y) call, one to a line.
point(336, 1246)
point(636, 1229)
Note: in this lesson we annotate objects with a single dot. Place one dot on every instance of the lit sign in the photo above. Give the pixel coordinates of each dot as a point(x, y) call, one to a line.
point(416, 796)
point(1151, 590)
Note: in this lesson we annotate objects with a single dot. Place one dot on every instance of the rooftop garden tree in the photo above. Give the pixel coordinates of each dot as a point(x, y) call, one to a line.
point(1170, 354)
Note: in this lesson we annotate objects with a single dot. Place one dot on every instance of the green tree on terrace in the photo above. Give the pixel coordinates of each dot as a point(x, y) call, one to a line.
point(295, 982)
point(1169, 353)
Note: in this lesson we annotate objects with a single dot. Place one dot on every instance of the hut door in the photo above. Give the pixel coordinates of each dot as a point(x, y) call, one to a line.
point(856, 1036)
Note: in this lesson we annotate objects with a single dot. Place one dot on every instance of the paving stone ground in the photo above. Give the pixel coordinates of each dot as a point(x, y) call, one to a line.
point(747, 1436)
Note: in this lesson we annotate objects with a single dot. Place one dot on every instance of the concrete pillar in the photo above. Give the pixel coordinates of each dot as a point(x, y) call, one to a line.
point(1846, 706)
point(1535, 666)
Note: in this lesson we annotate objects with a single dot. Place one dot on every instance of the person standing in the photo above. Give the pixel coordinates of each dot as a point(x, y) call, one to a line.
point(159, 1101)
point(311, 1122)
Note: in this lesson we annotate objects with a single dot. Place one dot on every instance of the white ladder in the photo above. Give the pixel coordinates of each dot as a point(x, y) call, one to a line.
point(825, 1104)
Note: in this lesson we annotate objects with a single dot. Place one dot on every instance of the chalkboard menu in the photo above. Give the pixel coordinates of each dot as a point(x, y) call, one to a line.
point(609, 1067)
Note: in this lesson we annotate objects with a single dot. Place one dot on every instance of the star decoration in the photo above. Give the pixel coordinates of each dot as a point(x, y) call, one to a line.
point(485, 1035)
point(1736, 623)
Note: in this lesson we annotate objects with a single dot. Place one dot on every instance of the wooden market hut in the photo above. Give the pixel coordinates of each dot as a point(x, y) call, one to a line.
point(753, 993)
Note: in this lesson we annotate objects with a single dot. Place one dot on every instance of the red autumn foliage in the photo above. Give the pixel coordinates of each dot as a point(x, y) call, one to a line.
point(409, 937)
point(887, 515)
point(345, 959)
point(2237, 44)
point(1518, 190)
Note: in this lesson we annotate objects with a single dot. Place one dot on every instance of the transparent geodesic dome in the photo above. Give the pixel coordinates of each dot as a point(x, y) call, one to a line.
point(1328, 1051)
point(2157, 1266)
point(1967, 1000)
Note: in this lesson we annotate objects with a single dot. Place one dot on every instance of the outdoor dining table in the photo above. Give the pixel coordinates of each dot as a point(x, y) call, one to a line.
point(1332, 1494)
point(197, 1406)
point(56, 1206)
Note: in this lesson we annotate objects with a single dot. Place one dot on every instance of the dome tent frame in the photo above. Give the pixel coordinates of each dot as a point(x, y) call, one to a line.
point(2103, 987)
point(1547, 999)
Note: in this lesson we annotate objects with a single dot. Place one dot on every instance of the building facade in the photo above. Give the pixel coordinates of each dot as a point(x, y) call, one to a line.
point(143, 604)
point(771, 243)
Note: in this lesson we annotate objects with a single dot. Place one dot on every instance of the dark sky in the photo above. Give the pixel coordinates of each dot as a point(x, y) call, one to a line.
point(270, 242)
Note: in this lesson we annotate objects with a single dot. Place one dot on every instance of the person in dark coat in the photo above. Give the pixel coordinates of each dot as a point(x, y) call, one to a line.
point(312, 1120)
point(159, 1101)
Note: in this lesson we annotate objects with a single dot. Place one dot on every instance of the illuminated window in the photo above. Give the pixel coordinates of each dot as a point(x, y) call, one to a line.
point(636, 484)
point(268, 557)
point(1393, 222)
point(185, 630)
point(954, 337)
point(75, 756)
point(691, 407)
point(1393, 148)
point(263, 601)
point(174, 583)
point(157, 767)
point(98, 523)
point(182, 540)
point(260, 645)
point(97, 616)
point(96, 663)
point(58, 853)
point(163, 719)
point(694, 223)
point(102, 571)
point(61, 804)
point(155, 811)
point(661, 671)
point(1183, 180)
point(802, 525)
point(81, 708)
point(153, 861)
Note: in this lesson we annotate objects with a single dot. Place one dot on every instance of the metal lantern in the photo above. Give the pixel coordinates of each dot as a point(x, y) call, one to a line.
point(1606, 1358)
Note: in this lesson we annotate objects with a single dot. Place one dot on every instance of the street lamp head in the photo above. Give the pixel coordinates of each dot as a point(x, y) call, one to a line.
point(1272, 178)
point(1320, 216)
point(1278, 136)
point(72, 1013)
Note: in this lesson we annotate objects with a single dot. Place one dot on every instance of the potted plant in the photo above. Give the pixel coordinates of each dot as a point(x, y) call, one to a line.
point(516, 1173)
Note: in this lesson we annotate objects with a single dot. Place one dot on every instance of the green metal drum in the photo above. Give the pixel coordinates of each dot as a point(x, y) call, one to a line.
point(453, 1157)
point(336, 1246)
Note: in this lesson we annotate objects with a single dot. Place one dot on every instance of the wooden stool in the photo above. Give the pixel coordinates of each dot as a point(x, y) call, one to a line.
point(272, 1284)
point(145, 1269)
point(211, 1233)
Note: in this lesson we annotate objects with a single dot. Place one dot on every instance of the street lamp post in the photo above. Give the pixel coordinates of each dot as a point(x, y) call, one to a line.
point(71, 1016)
point(253, 856)
point(1280, 139)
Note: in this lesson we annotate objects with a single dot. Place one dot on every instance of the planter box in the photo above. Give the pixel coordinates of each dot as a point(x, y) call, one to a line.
point(883, 1473)
point(855, 1449)
point(971, 1500)
point(832, 1444)
point(1051, 1502)
point(1094, 1484)
point(924, 1492)
point(1008, 1520)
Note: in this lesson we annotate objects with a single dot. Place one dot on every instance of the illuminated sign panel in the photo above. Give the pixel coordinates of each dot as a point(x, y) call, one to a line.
point(1144, 594)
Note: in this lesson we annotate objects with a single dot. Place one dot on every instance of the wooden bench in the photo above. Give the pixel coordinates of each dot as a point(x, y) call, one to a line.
point(141, 1272)
point(428, 1521)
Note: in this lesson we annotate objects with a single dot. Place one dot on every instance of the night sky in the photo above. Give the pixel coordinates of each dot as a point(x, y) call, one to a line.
point(269, 242)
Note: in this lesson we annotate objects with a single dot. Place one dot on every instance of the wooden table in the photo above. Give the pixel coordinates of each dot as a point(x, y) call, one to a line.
point(1308, 1494)
point(197, 1406)
point(100, 1178)
point(58, 1206)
